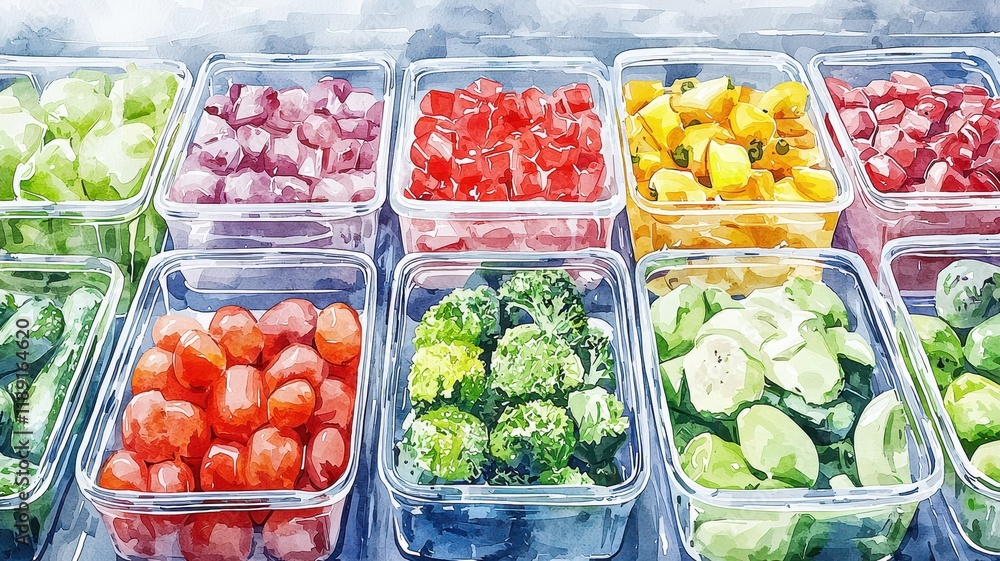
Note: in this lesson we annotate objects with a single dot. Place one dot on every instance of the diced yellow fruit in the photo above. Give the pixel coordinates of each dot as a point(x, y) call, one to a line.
point(671, 185)
point(659, 120)
point(728, 167)
point(693, 146)
point(646, 163)
point(682, 85)
point(708, 101)
point(643, 187)
point(815, 184)
point(779, 156)
point(749, 123)
point(804, 142)
point(745, 93)
point(760, 187)
point(790, 128)
point(784, 190)
point(787, 100)
point(640, 92)
point(639, 139)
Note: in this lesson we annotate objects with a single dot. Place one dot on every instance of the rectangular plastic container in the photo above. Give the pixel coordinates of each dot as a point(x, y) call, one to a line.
point(465, 521)
point(501, 225)
point(875, 218)
point(25, 517)
point(725, 224)
point(127, 232)
point(196, 283)
point(908, 278)
point(861, 523)
point(334, 225)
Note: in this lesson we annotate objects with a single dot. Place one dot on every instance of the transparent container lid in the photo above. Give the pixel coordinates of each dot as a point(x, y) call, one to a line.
point(197, 283)
point(515, 73)
point(761, 70)
point(43, 70)
point(941, 66)
point(421, 280)
point(739, 272)
point(372, 70)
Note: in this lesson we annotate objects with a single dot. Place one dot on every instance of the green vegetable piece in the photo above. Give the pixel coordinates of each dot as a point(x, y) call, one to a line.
point(987, 460)
point(818, 298)
point(21, 135)
point(100, 81)
point(44, 323)
point(531, 364)
point(827, 423)
point(967, 293)
point(841, 481)
point(982, 348)
point(776, 446)
point(6, 416)
point(73, 107)
point(533, 437)
point(113, 163)
point(443, 445)
point(766, 535)
point(7, 305)
point(565, 476)
point(771, 483)
point(550, 298)
point(811, 370)
point(672, 376)
point(469, 316)
point(596, 355)
point(607, 474)
point(973, 403)
point(835, 460)
point(883, 458)
point(677, 316)
point(601, 423)
point(11, 476)
point(717, 300)
point(848, 345)
point(50, 175)
point(145, 96)
point(717, 464)
point(447, 373)
point(721, 376)
point(752, 326)
point(943, 348)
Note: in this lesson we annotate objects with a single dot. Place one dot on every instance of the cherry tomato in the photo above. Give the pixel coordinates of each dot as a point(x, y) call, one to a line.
point(347, 372)
point(326, 457)
point(338, 334)
point(222, 467)
point(171, 476)
point(335, 403)
point(133, 535)
point(274, 459)
point(237, 332)
point(288, 322)
point(296, 362)
point(159, 430)
point(236, 406)
point(168, 329)
point(298, 535)
point(124, 471)
point(152, 371)
point(217, 536)
point(291, 405)
point(198, 360)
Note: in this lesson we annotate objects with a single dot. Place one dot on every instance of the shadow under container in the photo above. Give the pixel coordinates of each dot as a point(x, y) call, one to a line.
point(26, 518)
point(325, 225)
point(128, 231)
point(874, 218)
point(908, 278)
point(858, 523)
point(535, 225)
point(195, 284)
point(721, 224)
point(479, 521)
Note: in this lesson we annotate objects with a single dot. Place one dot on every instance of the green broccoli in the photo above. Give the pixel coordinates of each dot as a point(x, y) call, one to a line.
point(550, 298)
point(532, 364)
point(447, 373)
point(470, 316)
point(443, 445)
point(565, 476)
point(594, 350)
point(600, 418)
point(533, 437)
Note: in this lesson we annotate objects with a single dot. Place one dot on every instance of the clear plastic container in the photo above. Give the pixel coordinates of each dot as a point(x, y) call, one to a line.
point(196, 283)
point(25, 517)
point(875, 218)
point(334, 225)
point(501, 225)
point(860, 523)
point(128, 231)
point(908, 277)
point(725, 224)
point(465, 521)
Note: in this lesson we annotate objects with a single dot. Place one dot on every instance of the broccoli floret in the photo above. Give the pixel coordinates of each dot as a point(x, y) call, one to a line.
point(565, 476)
point(532, 364)
point(600, 419)
point(594, 350)
point(550, 298)
point(533, 437)
point(447, 373)
point(470, 316)
point(443, 445)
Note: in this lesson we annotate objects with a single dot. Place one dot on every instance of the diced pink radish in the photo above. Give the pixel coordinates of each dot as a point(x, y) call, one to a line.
point(886, 175)
point(860, 122)
point(890, 112)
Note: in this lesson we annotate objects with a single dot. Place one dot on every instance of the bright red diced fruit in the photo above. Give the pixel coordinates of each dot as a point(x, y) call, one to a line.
point(427, 125)
point(511, 111)
point(959, 148)
point(153, 371)
point(274, 459)
point(291, 405)
point(590, 132)
point(955, 122)
point(198, 360)
point(950, 94)
point(971, 90)
point(422, 186)
point(296, 362)
point(990, 159)
point(497, 162)
point(172, 476)
point(237, 406)
point(439, 151)
point(879, 92)
point(943, 177)
point(865, 150)
point(984, 181)
point(168, 329)
point(287, 322)
point(922, 160)
point(992, 107)
point(338, 333)
point(485, 89)
point(124, 471)
point(335, 403)
point(526, 181)
point(911, 79)
point(859, 121)
point(237, 333)
point(886, 137)
point(915, 124)
point(552, 157)
point(473, 130)
point(592, 181)
point(987, 127)
point(577, 97)
point(890, 112)
point(158, 429)
point(973, 105)
point(904, 151)
point(464, 103)
point(561, 183)
point(298, 535)
point(217, 536)
point(886, 175)
point(932, 107)
point(837, 90)
point(437, 102)
point(222, 467)
point(536, 104)
point(326, 456)
point(856, 97)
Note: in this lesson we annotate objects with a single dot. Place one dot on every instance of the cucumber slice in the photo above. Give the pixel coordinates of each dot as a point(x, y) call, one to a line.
point(841, 481)
point(837, 459)
point(44, 326)
point(848, 345)
point(767, 535)
point(826, 423)
point(717, 464)
point(774, 444)
point(884, 455)
point(721, 376)
point(811, 371)
point(672, 375)
point(717, 300)
point(943, 348)
point(676, 319)
point(817, 298)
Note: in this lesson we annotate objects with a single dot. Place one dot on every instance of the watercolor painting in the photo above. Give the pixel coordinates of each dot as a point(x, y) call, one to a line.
point(406, 280)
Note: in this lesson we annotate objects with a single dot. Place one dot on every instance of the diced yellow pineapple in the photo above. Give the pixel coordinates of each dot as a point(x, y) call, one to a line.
point(639, 139)
point(640, 92)
point(646, 163)
point(750, 123)
point(793, 128)
point(671, 185)
point(762, 182)
point(728, 167)
point(746, 93)
point(707, 101)
point(804, 142)
point(692, 149)
point(785, 190)
point(660, 120)
point(815, 184)
point(682, 85)
point(787, 100)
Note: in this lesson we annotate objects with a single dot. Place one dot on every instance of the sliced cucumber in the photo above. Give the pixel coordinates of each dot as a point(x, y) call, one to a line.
point(774, 444)
point(766, 536)
point(717, 464)
point(883, 458)
point(811, 371)
point(672, 376)
point(721, 376)
point(44, 324)
point(676, 318)
point(943, 348)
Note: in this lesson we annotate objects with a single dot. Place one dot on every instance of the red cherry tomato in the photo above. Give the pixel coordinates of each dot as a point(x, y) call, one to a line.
point(291, 405)
point(134, 535)
point(153, 371)
point(296, 362)
point(288, 322)
point(326, 457)
point(335, 403)
point(159, 430)
point(338, 334)
point(124, 471)
point(346, 372)
point(171, 476)
point(198, 360)
point(222, 467)
point(236, 405)
point(168, 329)
point(298, 535)
point(274, 459)
point(237, 332)
point(217, 536)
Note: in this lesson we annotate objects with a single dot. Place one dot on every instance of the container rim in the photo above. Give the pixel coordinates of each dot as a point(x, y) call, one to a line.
point(708, 56)
point(960, 246)
point(120, 210)
point(793, 500)
point(914, 201)
point(86, 364)
point(492, 210)
point(109, 404)
point(227, 212)
point(517, 495)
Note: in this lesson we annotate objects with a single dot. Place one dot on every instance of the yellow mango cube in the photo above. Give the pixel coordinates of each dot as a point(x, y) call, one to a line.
point(785, 190)
point(691, 151)
point(707, 101)
point(787, 100)
point(671, 185)
point(728, 167)
point(815, 184)
point(791, 128)
point(750, 123)
point(639, 139)
point(640, 92)
point(645, 164)
point(660, 120)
